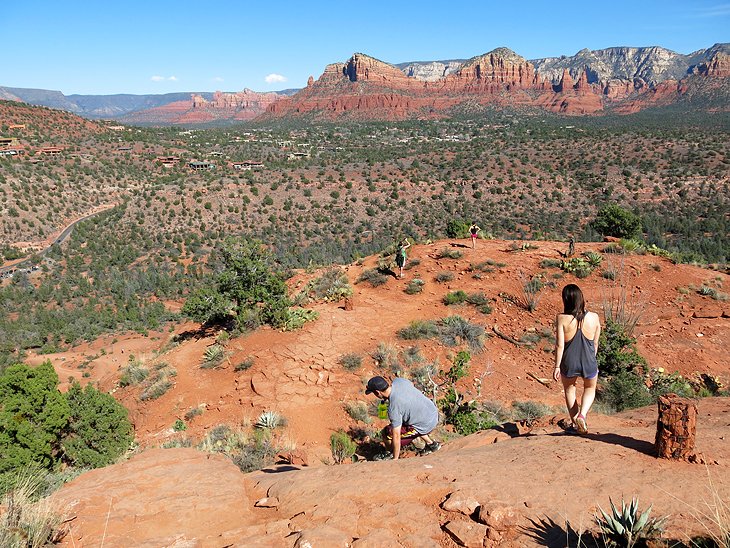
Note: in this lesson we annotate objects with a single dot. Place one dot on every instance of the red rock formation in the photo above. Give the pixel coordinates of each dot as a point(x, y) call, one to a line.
point(718, 66)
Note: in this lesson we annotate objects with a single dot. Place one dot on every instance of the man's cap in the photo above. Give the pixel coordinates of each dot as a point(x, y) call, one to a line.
point(376, 383)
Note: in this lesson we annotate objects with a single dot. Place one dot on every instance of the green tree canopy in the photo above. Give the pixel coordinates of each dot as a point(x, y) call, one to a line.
point(99, 431)
point(614, 220)
point(247, 285)
point(33, 414)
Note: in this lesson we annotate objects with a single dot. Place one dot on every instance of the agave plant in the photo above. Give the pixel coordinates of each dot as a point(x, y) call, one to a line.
point(627, 526)
point(594, 259)
point(213, 356)
point(270, 420)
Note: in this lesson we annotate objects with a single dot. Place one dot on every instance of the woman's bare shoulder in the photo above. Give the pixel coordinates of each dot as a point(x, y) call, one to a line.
point(593, 317)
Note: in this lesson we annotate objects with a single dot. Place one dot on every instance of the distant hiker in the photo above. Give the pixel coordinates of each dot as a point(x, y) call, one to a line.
point(400, 254)
point(474, 231)
point(411, 414)
point(576, 346)
point(571, 247)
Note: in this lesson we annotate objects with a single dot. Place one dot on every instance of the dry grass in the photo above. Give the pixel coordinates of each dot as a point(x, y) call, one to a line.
point(621, 305)
point(29, 521)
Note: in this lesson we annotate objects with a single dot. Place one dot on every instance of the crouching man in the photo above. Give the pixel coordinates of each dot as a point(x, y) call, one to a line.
point(411, 414)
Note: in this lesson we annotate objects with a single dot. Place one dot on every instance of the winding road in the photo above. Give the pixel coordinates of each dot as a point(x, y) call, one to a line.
point(62, 237)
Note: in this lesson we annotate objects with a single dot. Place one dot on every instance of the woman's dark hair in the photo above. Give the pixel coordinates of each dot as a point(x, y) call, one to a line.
point(573, 302)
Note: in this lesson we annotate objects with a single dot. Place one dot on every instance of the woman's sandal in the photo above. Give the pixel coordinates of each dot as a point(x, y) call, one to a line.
point(580, 424)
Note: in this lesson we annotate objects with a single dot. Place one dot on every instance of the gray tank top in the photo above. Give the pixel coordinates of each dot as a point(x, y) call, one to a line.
point(579, 357)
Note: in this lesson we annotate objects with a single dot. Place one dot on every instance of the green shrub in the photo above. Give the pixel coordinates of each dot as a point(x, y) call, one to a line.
point(455, 297)
point(386, 356)
point(613, 220)
point(448, 253)
point(245, 365)
point(550, 263)
point(331, 286)
point(193, 412)
point(594, 259)
point(99, 431)
point(419, 329)
point(411, 356)
point(350, 361)
point(372, 276)
point(625, 390)
point(577, 266)
point(258, 452)
point(133, 373)
point(158, 388)
point(415, 286)
point(455, 328)
point(444, 276)
point(33, 417)
point(617, 350)
point(478, 299)
point(358, 411)
point(341, 446)
point(529, 411)
point(630, 245)
point(179, 425)
point(456, 228)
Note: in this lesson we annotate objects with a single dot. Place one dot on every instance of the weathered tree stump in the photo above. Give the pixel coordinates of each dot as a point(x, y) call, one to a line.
point(349, 305)
point(675, 428)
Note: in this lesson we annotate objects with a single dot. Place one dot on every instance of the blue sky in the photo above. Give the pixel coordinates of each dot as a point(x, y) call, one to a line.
point(162, 46)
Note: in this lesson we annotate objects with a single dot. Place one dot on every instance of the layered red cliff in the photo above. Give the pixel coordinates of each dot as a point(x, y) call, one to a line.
point(366, 88)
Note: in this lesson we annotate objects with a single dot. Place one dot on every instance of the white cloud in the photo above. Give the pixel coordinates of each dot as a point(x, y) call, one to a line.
point(218, 79)
point(157, 78)
point(173, 78)
point(275, 79)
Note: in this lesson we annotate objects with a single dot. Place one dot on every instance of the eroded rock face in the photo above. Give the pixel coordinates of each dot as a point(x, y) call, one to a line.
point(158, 498)
point(621, 79)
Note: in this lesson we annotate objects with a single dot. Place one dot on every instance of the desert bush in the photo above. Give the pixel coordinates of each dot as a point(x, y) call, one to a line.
point(617, 350)
point(179, 425)
point(530, 292)
point(477, 299)
point(411, 356)
point(350, 361)
point(529, 411)
point(550, 263)
point(258, 452)
point(455, 297)
point(358, 411)
point(457, 228)
point(341, 446)
point(245, 365)
point(133, 373)
point(414, 286)
point(419, 329)
point(665, 383)
point(631, 245)
point(412, 263)
point(448, 253)
point(624, 390)
point(372, 276)
point(423, 377)
point(158, 388)
point(193, 412)
point(331, 286)
point(455, 328)
point(386, 356)
point(443, 277)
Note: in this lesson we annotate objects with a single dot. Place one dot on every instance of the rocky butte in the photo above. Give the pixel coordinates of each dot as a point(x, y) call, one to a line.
point(618, 80)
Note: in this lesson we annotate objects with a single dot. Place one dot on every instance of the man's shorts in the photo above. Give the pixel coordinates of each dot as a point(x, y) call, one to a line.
point(407, 435)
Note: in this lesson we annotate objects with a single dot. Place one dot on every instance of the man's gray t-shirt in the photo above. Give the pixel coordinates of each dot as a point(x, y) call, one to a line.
point(408, 406)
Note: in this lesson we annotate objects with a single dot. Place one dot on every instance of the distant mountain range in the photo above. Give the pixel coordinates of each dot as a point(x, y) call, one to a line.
point(619, 79)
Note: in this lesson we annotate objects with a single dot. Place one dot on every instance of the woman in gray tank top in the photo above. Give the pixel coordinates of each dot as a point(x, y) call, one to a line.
point(576, 345)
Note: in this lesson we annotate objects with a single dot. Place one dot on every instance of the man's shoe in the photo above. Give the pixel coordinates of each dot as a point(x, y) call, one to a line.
point(385, 455)
point(431, 448)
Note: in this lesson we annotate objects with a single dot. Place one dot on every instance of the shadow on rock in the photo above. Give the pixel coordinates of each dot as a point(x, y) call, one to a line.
point(548, 533)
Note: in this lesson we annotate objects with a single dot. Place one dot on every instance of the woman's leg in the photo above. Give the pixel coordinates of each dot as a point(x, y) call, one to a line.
point(589, 394)
point(570, 395)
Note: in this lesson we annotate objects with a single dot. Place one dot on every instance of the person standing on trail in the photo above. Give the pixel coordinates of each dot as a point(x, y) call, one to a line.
point(474, 231)
point(576, 347)
point(400, 254)
point(412, 415)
